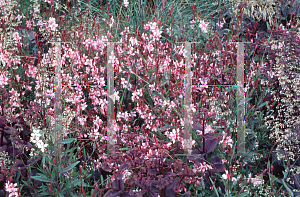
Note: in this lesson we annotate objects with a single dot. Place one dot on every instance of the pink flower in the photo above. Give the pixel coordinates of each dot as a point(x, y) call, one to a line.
point(220, 24)
point(157, 33)
point(16, 37)
point(20, 17)
point(28, 24)
point(256, 181)
point(192, 26)
point(52, 23)
point(227, 141)
point(35, 10)
point(82, 120)
point(203, 25)
point(3, 79)
point(226, 176)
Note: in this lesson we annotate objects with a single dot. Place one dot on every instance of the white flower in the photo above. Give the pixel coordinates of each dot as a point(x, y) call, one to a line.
point(36, 139)
point(81, 120)
point(124, 83)
point(10, 187)
point(16, 37)
point(125, 3)
point(3, 80)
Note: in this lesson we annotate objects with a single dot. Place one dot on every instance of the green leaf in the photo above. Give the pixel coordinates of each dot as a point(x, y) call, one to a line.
point(225, 70)
point(127, 149)
point(268, 25)
point(163, 83)
point(25, 183)
point(263, 104)
point(205, 36)
point(70, 167)
point(249, 131)
point(42, 179)
point(42, 175)
point(44, 193)
point(75, 183)
point(261, 126)
point(155, 93)
point(248, 99)
point(68, 141)
point(216, 191)
point(287, 188)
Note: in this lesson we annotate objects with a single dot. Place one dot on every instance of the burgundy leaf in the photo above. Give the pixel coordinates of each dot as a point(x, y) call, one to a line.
point(152, 171)
point(197, 154)
point(112, 193)
point(28, 145)
point(154, 190)
point(2, 122)
point(154, 182)
point(18, 125)
point(18, 164)
point(186, 194)
point(119, 176)
point(106, 168)
point(220, 167)
point(171, 185)
point(197, 127)
point(10, 130)
point(213, 172)
point(212, 115)
point(209, 136)
point(125, 166)
point(204, 110)
point(118, 184)
point(210, 145)
point(221, 185)
point(198, 159)
point(3, 148)
point(132, 194)
point(297, 181)
point(20, 142)
point(170, 193)
point(4, 140)
point(216, 159)
point(12, 152)
point(167, 174)
point(195, 119)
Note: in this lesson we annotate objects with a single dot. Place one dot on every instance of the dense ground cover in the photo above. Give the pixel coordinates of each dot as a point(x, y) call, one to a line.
point(149, 68)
